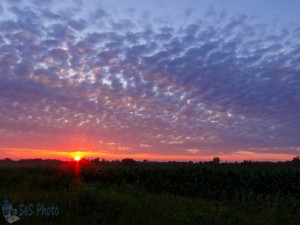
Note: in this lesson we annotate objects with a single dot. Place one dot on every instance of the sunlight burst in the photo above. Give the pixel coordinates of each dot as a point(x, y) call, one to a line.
point(77, 158)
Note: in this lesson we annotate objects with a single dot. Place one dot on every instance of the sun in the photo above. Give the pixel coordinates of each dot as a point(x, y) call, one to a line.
point(77, 158)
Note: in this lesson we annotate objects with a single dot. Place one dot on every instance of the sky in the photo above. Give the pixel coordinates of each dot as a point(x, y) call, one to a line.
point(157, 80)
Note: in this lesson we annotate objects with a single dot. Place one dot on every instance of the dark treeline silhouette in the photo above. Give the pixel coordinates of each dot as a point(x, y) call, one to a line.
point(7, 162)
point(30, 162)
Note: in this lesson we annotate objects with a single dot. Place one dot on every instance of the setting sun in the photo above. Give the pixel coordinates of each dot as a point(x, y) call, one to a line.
point(77, 158)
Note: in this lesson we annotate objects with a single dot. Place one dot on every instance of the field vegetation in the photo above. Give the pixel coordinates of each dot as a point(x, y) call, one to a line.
point(176, 193)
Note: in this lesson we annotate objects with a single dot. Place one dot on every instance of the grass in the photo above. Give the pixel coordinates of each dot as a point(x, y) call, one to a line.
point(94, 203)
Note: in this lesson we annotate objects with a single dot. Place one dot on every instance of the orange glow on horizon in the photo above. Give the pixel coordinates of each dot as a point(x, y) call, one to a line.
point(238, 156)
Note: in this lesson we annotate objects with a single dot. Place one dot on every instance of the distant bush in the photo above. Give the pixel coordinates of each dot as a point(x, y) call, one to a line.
point(128, 162)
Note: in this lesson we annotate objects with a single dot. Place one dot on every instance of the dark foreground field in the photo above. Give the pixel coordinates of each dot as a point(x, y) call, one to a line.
point(156, 193)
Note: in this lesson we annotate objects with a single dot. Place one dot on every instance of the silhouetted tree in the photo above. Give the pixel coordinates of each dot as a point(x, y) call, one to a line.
point(296, 160)
point(96, 160)
point(216, 160)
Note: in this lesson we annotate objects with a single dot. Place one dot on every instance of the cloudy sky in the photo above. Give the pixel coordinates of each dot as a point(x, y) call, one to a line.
point(161, 80)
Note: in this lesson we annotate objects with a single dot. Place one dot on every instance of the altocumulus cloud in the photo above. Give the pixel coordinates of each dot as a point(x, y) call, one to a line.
point(147, 85)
